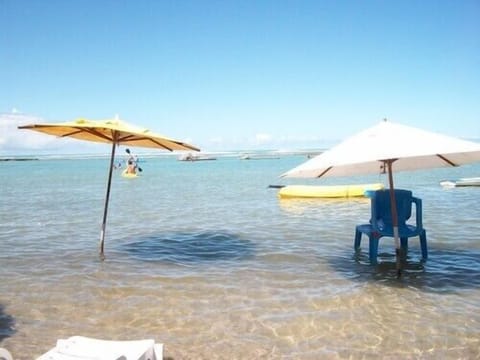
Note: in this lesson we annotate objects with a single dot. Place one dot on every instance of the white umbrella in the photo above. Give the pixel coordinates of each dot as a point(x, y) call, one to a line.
point(388, 147)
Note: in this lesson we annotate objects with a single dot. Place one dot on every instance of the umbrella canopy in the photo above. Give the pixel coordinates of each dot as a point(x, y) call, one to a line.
point(110, 131)
point(388, 147)
point(406, 147)
point(115, 132)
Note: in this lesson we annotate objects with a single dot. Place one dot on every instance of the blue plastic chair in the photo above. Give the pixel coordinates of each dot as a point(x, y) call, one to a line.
point(381, 221)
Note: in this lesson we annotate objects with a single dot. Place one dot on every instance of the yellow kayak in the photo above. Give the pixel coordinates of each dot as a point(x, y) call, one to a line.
point(129, 176)
point(326, 191)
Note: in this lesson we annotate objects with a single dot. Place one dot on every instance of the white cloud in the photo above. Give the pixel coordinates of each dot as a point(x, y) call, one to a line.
point(11, 138)
point(218, 140)
point(262, 139)
point(16, 141)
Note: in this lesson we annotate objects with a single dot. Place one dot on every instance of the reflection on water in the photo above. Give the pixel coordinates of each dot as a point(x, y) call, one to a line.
point(324, 205)
point(206, 259)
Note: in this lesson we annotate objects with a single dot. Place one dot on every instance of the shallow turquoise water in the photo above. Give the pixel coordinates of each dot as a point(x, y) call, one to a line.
point(203, 257)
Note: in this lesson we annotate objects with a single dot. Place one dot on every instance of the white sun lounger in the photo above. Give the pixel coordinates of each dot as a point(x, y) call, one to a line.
point(83, 348)
point(5, 355)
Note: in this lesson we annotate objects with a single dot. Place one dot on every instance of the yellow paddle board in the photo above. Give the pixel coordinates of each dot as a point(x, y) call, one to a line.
point(326, 191)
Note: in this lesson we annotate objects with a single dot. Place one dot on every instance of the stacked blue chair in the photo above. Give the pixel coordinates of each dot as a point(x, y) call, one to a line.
point(381, 221)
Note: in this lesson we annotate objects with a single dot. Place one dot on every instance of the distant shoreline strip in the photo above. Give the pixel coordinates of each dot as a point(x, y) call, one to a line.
point(18, 159)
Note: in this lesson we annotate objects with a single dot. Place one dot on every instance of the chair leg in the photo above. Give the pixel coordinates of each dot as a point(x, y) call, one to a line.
point(373, 249)
point(358, 239)
point(423, 244)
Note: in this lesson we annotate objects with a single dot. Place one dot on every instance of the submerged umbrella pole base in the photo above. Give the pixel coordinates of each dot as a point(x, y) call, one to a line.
point(102, 241)
point(398, 254)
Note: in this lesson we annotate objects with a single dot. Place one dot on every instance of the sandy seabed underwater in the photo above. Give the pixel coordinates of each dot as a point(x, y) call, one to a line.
point(206, 259)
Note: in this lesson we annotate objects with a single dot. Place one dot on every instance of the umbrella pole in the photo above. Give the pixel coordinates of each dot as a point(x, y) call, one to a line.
point(393, 207)
point(107, 196)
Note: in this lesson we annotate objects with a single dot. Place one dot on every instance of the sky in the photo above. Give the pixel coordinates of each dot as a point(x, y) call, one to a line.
point(247, 74)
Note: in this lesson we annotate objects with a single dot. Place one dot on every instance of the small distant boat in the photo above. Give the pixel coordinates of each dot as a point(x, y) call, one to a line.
point(258, 157)
point(195, 157)
point(327, 191)
point(474, 181)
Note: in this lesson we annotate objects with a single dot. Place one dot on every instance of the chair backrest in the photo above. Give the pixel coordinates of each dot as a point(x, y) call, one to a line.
point(381, 209)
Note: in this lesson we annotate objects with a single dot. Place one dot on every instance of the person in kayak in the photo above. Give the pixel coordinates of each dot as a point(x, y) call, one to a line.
point(132, 163)
point(131, 167)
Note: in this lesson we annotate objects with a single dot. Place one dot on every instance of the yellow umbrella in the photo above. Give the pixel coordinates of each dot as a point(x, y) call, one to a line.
point(112, 131)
